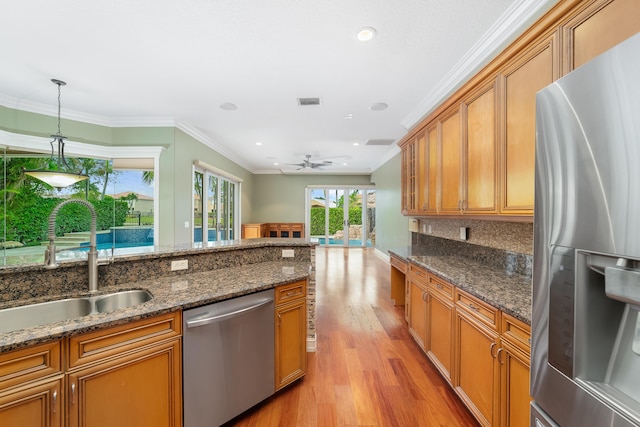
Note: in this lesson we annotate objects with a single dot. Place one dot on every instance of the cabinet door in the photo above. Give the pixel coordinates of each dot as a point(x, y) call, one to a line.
point(480, 177)
point(121, 391)
point(440, 327)
point(422, 187)
point(290, 346)
point(450, 156)
point(432, 170)
point(477, 371)
point(37, 405)
point(418, 313)
point(408, 172)
point(514, 387)
point(599, 27)
point(521, 81)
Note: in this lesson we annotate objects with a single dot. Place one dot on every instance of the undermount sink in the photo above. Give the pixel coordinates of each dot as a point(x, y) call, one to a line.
point(26, 316)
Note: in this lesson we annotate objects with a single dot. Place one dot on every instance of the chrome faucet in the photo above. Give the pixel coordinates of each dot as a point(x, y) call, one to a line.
point(92, 258)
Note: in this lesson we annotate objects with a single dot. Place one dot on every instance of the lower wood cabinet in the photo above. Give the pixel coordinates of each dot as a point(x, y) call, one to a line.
point(36, 405)
point(31, 386)
point(477, 372)
point(290, 333)
point(482, 352)
point(418, 305)
point(440, 325)
point(128, 375)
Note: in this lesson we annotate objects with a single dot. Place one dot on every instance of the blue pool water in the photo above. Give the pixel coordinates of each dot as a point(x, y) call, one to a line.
point(123, 237)
point(340, 242)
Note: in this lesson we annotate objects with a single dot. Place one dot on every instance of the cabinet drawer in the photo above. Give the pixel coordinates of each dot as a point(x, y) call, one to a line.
point(87, 348)
point(291, 291)
point(399, 264)
point(480, 310)
point(21, 366)
point(516, 333)
point(438, 285)
point(418, 274)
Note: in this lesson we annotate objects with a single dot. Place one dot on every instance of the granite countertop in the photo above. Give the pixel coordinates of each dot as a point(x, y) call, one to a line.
point(510, 292)
point(170, 293)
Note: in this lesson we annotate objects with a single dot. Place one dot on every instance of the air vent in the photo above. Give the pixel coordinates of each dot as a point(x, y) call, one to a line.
point(308, 101)
point(380, 142)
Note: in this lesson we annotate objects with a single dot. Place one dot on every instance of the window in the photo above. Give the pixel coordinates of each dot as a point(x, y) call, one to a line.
point(218, 192)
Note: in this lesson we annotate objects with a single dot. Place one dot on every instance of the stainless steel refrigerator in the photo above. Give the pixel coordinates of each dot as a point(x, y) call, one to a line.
point(585, 366)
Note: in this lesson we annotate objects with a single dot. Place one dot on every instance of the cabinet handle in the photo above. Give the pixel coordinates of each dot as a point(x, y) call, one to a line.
point(73, 394)
point(439, 286)
point(491, 350)
point(498, 356)
point(424, 296)
point(474, 308)
point(54, 403)
point(279, 318)
point(290, 293)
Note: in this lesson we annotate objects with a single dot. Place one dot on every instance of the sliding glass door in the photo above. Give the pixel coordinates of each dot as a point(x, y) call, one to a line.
point(217, 221)
point(341, 216)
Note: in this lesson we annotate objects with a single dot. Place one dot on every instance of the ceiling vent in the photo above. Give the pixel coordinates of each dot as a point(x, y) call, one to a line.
point(303, 102)
point(380, 142)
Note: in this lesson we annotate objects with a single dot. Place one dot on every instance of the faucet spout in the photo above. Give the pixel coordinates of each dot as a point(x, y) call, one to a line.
point(92, 257)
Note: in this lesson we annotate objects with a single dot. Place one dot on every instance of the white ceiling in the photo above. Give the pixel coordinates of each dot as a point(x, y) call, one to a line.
point(174, 62)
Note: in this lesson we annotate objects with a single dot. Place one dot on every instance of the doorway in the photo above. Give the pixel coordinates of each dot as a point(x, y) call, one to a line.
point(341, 215)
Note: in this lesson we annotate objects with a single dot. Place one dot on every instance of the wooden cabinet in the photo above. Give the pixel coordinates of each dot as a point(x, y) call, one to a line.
point(409, 153)
point(291, 333)
point(480, 154)
point(440, 325)
point(254, 231)
point(127, 375)
point(450, 164)
point(31, 386)
point(514, 359)
point(418, 305)
point(596, 28)
point(535, 69)
point(285, 230)
point(476, 370)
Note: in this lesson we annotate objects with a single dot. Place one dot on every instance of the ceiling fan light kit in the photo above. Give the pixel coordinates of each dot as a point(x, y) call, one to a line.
point(308, 164)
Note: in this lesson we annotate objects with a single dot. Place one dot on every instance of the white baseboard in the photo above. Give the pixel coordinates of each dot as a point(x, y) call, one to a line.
point(311, 345)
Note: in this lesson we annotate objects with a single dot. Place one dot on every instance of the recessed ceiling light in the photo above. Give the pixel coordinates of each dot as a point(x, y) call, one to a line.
point(276, 164)
point(365, 34)
point(356, 143)
point(379, 106)
point(344, 164)
point(228, 106)
point(258, 143)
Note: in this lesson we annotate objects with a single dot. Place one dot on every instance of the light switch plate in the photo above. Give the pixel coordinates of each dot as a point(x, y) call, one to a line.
point(181, 264)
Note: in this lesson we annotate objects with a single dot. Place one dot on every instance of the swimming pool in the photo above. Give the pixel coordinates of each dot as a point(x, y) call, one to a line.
point(340, 242)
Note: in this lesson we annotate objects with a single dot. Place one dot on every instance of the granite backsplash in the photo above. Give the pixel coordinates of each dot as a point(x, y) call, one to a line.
point(505, 260)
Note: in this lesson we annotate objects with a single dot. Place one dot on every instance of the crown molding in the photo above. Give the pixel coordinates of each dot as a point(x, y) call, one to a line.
point(94, 119)
point(204, 139)
point(507, 27)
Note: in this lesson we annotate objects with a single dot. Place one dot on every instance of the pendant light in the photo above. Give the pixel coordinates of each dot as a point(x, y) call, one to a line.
point(61, 177)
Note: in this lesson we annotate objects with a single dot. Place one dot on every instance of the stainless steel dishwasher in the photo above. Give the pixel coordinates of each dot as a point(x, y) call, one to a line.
point(228, 358)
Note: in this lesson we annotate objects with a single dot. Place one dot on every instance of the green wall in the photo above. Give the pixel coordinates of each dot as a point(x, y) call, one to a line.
point(281, 198)
point(391, 226)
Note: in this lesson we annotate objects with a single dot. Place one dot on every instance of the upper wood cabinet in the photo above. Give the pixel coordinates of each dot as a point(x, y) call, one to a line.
point(521, 80)
point(475, 154)
point(450, 163)
point(480, 152)
point(596, 28)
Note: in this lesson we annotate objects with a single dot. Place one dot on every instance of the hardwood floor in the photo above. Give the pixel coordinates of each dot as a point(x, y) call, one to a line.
point(367, 370)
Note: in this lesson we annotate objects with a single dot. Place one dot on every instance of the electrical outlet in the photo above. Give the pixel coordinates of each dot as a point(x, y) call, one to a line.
point(464, 233)
point(181, 264)
point(429, 230)
point(186, 224)
point(287, 253)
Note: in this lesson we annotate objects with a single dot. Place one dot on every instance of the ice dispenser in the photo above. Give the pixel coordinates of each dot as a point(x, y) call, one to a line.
point(607, 330)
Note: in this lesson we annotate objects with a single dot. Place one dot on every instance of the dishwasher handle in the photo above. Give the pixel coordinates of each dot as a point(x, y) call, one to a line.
point(208, 320)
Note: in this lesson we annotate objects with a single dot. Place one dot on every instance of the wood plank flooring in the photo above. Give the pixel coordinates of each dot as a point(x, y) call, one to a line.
point(367, 370)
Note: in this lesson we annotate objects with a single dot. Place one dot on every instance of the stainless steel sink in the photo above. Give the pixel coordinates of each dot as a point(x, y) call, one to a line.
point(26, 316)
point(122, 299)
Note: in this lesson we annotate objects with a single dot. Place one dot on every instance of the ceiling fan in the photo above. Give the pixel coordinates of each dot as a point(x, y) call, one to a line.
point(308, 164)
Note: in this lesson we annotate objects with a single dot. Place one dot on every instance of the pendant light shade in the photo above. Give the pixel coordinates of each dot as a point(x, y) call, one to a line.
point(60, 177)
